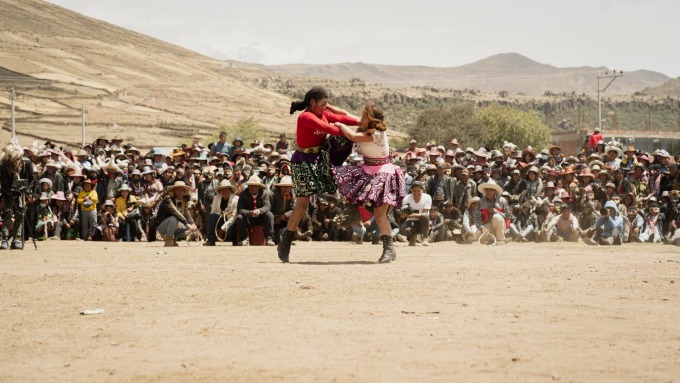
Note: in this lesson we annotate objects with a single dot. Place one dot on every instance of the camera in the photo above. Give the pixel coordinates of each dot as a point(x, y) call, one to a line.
point(20, 184)
point(407, 209)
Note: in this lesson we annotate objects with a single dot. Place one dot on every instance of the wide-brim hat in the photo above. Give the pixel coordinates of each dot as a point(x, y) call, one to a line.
point(237, 139)
point(125, 187)
point(59, 196)
point(586, 173)
point(596, 162)
point(616, 149)
point(86, 181)
point(240, 152)
point(254, 181)
point(473, 200)
point(490, 184)
point(285, 181)
point(47, 180)
point(178, 185)
point(226, 184)
point(553, 149)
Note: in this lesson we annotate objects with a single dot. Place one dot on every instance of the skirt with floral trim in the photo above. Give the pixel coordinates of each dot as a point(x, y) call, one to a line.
point(311, 173)
point(371, 185)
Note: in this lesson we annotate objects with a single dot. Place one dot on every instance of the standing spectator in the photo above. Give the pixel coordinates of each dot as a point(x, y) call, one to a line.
point(221, 146)
point(464, 190)
point(594, 139)
point(441, 187)
point(282, 144)
point(87, 200)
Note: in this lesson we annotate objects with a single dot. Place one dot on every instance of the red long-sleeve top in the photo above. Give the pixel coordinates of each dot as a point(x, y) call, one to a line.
point(594, 138)
point(312, 130)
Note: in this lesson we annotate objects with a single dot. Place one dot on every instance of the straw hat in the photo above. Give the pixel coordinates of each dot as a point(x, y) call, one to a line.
point(124, 187)
point(490, 184)
point(473, 200)
point(285, 181)
point(225, 184)
point(616, 149)
point(179, 184)
point(254, 181)
point(586, 173)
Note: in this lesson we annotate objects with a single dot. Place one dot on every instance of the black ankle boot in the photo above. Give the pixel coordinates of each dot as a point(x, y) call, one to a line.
point(284, 246)
point(388, 254)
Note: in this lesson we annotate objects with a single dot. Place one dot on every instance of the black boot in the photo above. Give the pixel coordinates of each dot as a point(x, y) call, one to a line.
point(284, 246)
point(388, 254)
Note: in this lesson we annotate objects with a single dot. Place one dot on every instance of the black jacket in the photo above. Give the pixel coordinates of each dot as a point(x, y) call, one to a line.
point(168, 208)
point(245, 202)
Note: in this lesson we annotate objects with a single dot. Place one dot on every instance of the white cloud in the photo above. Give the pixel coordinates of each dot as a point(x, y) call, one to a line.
point(263, 53)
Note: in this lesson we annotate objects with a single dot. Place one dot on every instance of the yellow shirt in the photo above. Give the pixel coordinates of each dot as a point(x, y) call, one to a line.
point(93, 197)
point(122, 205)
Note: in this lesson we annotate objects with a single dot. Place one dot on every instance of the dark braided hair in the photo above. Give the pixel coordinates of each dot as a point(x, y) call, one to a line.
point(317, 93)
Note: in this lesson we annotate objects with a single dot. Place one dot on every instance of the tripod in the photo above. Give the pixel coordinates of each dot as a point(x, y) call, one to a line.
point(23, 219)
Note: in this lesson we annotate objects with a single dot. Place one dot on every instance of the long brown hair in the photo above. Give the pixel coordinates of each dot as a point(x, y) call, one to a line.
point(375, 117)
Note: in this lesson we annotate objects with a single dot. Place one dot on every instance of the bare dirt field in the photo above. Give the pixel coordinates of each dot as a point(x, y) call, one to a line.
point(446, 313)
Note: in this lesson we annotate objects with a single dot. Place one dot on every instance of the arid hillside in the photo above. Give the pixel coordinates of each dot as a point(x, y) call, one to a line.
point(157, 93)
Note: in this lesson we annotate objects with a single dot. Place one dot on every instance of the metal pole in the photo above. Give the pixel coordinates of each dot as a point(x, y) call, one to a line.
point(599, 107)
point(599, 101)
point(12, 96)
point(82, 111)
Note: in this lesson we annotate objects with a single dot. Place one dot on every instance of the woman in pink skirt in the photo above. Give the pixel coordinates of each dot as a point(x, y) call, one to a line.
point(377, 184)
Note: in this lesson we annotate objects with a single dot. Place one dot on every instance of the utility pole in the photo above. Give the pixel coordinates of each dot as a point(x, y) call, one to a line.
point(613, 77)
point(12, 96)
point(82, 111)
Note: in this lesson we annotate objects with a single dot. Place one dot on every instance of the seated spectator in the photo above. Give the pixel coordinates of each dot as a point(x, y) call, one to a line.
point(494, 210)
point(45, 225)
point(225, 202)
point(321, 221)
point(254, 209)
point(608, 228)
point(283, 203)
point(107, 229)
point(471, 223)
point(652, 225)
point(417, 207)
point(563, 227)
point(173, 214)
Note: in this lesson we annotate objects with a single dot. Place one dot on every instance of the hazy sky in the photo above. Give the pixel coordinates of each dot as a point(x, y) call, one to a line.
point(619, 34)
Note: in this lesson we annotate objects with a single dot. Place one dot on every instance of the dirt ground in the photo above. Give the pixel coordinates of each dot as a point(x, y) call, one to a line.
point(514, 313)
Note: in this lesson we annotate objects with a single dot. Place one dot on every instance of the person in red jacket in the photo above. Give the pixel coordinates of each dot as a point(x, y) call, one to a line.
point(310, 164)
point(594, 139)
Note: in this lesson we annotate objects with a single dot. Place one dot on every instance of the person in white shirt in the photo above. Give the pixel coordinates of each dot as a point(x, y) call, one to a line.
point(417, 205)
point(563, 226)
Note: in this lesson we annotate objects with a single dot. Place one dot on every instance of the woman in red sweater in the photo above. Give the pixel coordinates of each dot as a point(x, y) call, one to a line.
point(310, 164)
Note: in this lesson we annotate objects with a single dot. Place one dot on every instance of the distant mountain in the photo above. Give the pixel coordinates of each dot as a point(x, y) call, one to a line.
point(511, 72)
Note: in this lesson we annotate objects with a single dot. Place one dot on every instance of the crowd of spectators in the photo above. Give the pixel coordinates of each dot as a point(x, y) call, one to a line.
point(241, 193)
